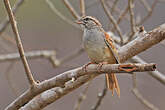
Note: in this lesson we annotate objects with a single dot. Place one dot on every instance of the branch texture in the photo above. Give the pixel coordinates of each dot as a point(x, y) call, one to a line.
point(144, 40)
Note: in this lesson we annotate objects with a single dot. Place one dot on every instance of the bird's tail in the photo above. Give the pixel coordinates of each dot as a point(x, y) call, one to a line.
point(112, 83)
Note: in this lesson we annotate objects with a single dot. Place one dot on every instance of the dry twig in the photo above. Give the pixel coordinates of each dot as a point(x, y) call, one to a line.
point(143, 42)
point(139, 95)
point(155, 74)
point(4, 24)
point(149, 13)
point(82, 7)
point(19, 43)
point(112, 20)
point(132, 19)
point(143, 100)
point(71, 9)
point(81, 97)
point(114, 5)
point(121, 16)
point(100, 97)
point(58, 13)
point(61, 79)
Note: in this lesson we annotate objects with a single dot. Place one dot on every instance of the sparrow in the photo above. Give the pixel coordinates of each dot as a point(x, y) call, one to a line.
point(100, 48)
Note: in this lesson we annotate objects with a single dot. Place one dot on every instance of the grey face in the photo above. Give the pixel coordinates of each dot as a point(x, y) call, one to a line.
point(88, 22)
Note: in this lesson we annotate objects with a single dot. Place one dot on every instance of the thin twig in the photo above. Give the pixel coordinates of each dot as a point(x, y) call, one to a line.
point(71, 9)
point(134, 80)
point(82, 7)
point(112, 20)
point(82, 97)
point(146, 5)
point(139, 95)
point(31, 55)
point(114, 6)
point(7, 74)
point(155, 74)
point(71, 56)
point(121, 16)
point(100, 97)
point(58, 13)
point(5, 23)
point(132, 19)
point(143, 100)
point(142, 42)
point(19, 43)
point(48, 54)
point(149, 13)
point(117, 10)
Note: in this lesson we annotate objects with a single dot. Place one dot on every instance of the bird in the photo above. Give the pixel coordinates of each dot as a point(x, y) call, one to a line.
point(100, 48)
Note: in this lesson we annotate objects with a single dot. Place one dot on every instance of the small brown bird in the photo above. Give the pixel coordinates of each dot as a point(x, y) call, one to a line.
point(99, 47)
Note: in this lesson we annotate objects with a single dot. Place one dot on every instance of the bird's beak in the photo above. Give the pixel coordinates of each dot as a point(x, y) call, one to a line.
point(79, 22)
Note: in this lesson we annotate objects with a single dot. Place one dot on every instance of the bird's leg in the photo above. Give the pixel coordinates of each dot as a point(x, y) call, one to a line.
point(84, 68)
point(100, 65)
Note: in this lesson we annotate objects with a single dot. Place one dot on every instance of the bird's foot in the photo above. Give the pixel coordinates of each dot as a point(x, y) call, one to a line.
point(84, 68)
point(100, 66)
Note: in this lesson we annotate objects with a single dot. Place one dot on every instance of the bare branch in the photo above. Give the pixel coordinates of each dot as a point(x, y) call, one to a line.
point(117, 10)
point(100, 97)
point(7, 74)
point(54, 94)
point(149, 13)
point(71, 9)
point(4, 24)
point(112, 20)
point(141, 43)
point(121, 16)
point(82, 7)
point(139, 95)
point(60, 80)
point(31, 55)
point(155, 74)
point(81, 97)
point(73, 55)
point(132, 19)
point(146, 5)
point(19, 43)
point(114, 5)
point(58, 13)
point(154, 36)
point(143, 100)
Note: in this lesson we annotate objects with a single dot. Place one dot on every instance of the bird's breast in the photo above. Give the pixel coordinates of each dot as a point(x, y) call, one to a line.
point(96, 48)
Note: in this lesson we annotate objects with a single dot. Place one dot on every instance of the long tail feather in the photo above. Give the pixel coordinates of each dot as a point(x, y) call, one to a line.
point(112, 83)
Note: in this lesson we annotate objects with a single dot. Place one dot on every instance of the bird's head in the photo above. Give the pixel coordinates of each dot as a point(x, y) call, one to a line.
point(88, 22)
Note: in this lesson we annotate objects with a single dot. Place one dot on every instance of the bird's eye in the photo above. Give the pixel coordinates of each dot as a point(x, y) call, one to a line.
point(86, 19)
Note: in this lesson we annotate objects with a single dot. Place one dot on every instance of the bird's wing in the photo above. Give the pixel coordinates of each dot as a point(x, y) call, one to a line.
point(109, 42)
point(112, 82)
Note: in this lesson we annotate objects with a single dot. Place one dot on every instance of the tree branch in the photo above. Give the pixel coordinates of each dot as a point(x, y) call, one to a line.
point(71, 9)
point(4, 24)
point(64, 79)
point(19, 43)
point(60, 80)
point(58, 13)
point(111, 18)
point(144, 40)
point(82, 7)
point(155, 74)
point(141, 43)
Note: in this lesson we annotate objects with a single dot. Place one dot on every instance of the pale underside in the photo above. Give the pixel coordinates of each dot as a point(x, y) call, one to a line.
point(96, 47)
